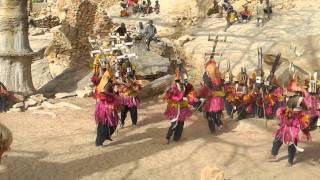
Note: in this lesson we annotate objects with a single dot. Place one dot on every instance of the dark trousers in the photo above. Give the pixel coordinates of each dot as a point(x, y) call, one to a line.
point(228, 107)
point(291, 149)
point(104, 132)
point(242, 113)
point(149, 39)
point(3, 103)
point(133, 113)
point(214, 119)
point(175, 129)
point(259, 111)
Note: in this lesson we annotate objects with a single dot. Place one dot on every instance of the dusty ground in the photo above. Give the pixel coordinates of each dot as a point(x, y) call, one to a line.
point(62, 147)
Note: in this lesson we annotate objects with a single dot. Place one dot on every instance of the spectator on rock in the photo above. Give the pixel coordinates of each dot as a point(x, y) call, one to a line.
point(124, 4)
point(157, 7)
point(150, 33)
point(149, 7)
point(130, 3)
point(143, 7)
point(246, 14)
point(268, 9)
point(140, 31)
point(260, 13)
point(122, 30)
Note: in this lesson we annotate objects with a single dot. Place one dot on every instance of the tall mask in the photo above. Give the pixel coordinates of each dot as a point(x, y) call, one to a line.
point(243, 77)
point(228, 77)
point(259, 71)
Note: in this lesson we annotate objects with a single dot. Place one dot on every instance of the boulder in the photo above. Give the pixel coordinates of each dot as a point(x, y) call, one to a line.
point(48, 105)
point(35, 108)
point(149, 65)
point(64, 95)
point(18, 105)
point(37, 31)
point(87, 92)
point(31, 102)
point(40, 73)
point(39, 98)
point(184, 39)
point(11, 110)
point(157, 86)
point(211, 173)
point(70, 80)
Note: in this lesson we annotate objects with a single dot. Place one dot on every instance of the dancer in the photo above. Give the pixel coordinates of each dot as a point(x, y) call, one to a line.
point(178, 97)
point(241, 99)
point(129, 89)
point(293, 119)
point(228, 89)
point(106, 114)
point(213, 92)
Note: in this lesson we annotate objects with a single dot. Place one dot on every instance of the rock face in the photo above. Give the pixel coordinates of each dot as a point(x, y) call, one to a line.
point(70, 45)
point(186, 8)
point(40, 73)
point(157, 86)
point(70, 80)
point(212, 173)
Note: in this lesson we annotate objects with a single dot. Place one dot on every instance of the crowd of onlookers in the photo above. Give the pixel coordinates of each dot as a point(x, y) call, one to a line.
point(263, 11)
point(144, 7)
point(147, 32)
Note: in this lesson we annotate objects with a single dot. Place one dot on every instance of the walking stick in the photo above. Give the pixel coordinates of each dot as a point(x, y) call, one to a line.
point(264, 109)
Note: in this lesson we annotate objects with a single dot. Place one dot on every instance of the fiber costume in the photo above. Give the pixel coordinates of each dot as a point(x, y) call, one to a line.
point(293, 119)
point(241, 99)
point(129, 89)
point(106, 115)
point(213, 93)
point(178, 97)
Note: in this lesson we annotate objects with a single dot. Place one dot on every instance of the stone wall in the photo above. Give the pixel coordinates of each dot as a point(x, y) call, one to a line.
point(80, 20)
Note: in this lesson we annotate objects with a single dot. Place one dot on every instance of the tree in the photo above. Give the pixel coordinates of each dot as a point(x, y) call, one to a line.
point(15, 52)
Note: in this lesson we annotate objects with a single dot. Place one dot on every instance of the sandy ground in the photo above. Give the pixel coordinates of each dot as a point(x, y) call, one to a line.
point(47, 147)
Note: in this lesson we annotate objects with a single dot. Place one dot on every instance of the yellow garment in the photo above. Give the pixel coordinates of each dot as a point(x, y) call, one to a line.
point(218, 93)
point(183, 104)
point(104, 80)
point(233, 17)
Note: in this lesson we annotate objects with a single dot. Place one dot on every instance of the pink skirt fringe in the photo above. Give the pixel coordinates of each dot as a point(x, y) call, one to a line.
point(172, 113)
point(105, 114)
point(214, 104)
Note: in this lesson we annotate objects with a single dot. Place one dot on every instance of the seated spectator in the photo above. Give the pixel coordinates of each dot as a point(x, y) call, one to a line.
point(245, 14)
point(124, 13)
point(260, 13)
point(135, 8)
point(140, 32)
point(124, 4)
point(122, 30)
point(130, 3)
point(149, 7)
point(157, 7)
point(143, 7)
point(268, 9)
